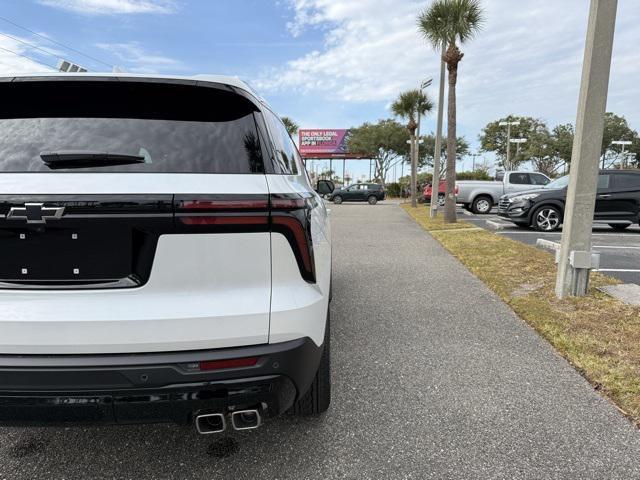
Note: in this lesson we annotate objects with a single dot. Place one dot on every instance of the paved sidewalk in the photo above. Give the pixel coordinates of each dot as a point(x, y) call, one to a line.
point(462, 390)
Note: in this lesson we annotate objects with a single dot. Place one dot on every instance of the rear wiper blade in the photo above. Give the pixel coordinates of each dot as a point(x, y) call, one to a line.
point(87, 159)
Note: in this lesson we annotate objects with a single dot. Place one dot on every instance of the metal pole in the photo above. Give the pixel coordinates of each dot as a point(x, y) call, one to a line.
point(330, 168)
point(344, 169)
point(435, 183)
point(414, 164)
point(575, 257)
point(508, 165)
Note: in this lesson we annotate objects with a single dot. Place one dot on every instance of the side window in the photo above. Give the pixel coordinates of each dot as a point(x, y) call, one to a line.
point(285, 150)
point(519, 179)
point(626, 182)
point(603, 181)
point(538, 179)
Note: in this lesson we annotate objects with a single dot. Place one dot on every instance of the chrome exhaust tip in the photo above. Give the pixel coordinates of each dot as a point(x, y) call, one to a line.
point(246, 419)
point(211, 423)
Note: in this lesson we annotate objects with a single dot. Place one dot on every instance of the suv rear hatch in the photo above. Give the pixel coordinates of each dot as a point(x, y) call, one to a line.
point(104, 185)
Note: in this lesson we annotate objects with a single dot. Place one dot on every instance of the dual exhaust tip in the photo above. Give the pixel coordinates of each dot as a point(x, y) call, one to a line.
point(209, 423)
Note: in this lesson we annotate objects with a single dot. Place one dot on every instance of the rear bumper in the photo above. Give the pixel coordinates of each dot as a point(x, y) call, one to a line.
point(149, 388)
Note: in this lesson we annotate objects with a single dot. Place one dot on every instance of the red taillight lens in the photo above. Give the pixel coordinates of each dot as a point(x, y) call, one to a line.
point(290, 216)
point(230, 363)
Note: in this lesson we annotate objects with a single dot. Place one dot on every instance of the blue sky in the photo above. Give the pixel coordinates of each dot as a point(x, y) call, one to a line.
point(335, 63)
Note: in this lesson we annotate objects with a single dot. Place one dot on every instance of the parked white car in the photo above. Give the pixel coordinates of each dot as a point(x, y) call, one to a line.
point(480, 196)
point(165, 257)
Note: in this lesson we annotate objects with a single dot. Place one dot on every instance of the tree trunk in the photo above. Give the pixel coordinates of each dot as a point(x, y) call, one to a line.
point(452, 57)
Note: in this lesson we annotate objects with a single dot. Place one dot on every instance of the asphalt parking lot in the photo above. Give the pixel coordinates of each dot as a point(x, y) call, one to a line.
point(619, 252)
point(456, 389)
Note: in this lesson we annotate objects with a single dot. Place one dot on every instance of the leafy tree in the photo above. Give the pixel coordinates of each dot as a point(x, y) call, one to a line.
point(616, 128)
point(385, 142)
point(494, 139)
point(411, 105)
point(428, 148)
point(449, 23)
point(291, 126)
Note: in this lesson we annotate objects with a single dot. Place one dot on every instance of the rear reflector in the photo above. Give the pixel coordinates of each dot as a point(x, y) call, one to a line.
point(231, 363)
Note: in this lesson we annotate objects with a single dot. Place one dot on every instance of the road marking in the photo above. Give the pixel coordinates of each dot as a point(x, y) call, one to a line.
point(497, 225)
point(515, 232)
point(628, 270)
point(616, 247)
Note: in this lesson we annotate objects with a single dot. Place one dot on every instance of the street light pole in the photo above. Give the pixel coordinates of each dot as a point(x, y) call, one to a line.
point(435, 182)
point(508, 125)
point(416, 150)
point(473, 156)
point(575, 258)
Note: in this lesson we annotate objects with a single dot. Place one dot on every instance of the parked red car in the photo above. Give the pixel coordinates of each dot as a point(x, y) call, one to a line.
point(441, 191)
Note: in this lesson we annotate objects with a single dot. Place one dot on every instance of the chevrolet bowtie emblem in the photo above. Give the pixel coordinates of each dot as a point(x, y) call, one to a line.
point(35, 213)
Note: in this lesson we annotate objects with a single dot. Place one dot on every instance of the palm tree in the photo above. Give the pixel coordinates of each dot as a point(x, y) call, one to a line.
point(291, 126)
point(449, 23)
point(411, 105)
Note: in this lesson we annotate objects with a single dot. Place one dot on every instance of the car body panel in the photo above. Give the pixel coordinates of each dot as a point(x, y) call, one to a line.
point(469, 190)
point(613, 205)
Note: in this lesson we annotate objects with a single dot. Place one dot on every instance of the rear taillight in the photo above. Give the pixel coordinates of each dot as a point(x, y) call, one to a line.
point(291, 216)
point(288, 214)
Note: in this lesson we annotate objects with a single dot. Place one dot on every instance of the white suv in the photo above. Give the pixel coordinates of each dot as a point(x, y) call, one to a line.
point(164, 257)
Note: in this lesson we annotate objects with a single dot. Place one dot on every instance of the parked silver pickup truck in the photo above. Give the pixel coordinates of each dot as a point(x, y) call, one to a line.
point(480, 196)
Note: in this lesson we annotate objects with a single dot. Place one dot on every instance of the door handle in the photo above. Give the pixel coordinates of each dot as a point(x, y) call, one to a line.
point(604, 195)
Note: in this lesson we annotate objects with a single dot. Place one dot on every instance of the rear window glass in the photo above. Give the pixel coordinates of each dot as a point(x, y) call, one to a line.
point(520, 179)
point(176, 128)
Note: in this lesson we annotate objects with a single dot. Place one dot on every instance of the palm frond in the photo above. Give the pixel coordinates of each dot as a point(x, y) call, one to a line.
point(447, 22)
point(411, 103)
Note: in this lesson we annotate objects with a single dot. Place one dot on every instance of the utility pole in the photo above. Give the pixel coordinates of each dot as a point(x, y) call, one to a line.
point(575, 258)
point(435, 182)
point(508, 125)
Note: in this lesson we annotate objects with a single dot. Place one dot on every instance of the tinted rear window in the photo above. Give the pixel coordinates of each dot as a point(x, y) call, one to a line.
point(177, 128)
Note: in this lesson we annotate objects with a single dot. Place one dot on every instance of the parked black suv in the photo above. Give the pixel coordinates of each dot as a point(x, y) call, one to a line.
point(617, 202)
point(359, 192)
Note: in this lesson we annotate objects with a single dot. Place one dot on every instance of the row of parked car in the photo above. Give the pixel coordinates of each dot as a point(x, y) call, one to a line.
point(531, 199)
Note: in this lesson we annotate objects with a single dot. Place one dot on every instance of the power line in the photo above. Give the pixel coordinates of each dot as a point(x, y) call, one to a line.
point(56, 42)
point(28, 58)
point(29, 44)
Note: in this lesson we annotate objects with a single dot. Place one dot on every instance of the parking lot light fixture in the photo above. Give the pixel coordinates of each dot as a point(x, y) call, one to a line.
point(623, 143)
point(518, 142)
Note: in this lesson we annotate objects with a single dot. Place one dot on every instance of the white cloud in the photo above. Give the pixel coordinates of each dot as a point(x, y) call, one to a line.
point(112, 7)
point(16, 57)
point(526, 61)
point(134, 58)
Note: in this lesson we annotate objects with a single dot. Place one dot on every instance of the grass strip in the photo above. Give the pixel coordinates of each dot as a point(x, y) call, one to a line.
point(598, 335)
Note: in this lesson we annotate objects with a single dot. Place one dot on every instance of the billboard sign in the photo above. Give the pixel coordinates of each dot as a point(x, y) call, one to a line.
point(323, 142)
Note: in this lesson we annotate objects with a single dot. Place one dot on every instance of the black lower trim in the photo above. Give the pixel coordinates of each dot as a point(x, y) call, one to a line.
point(145, 388)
